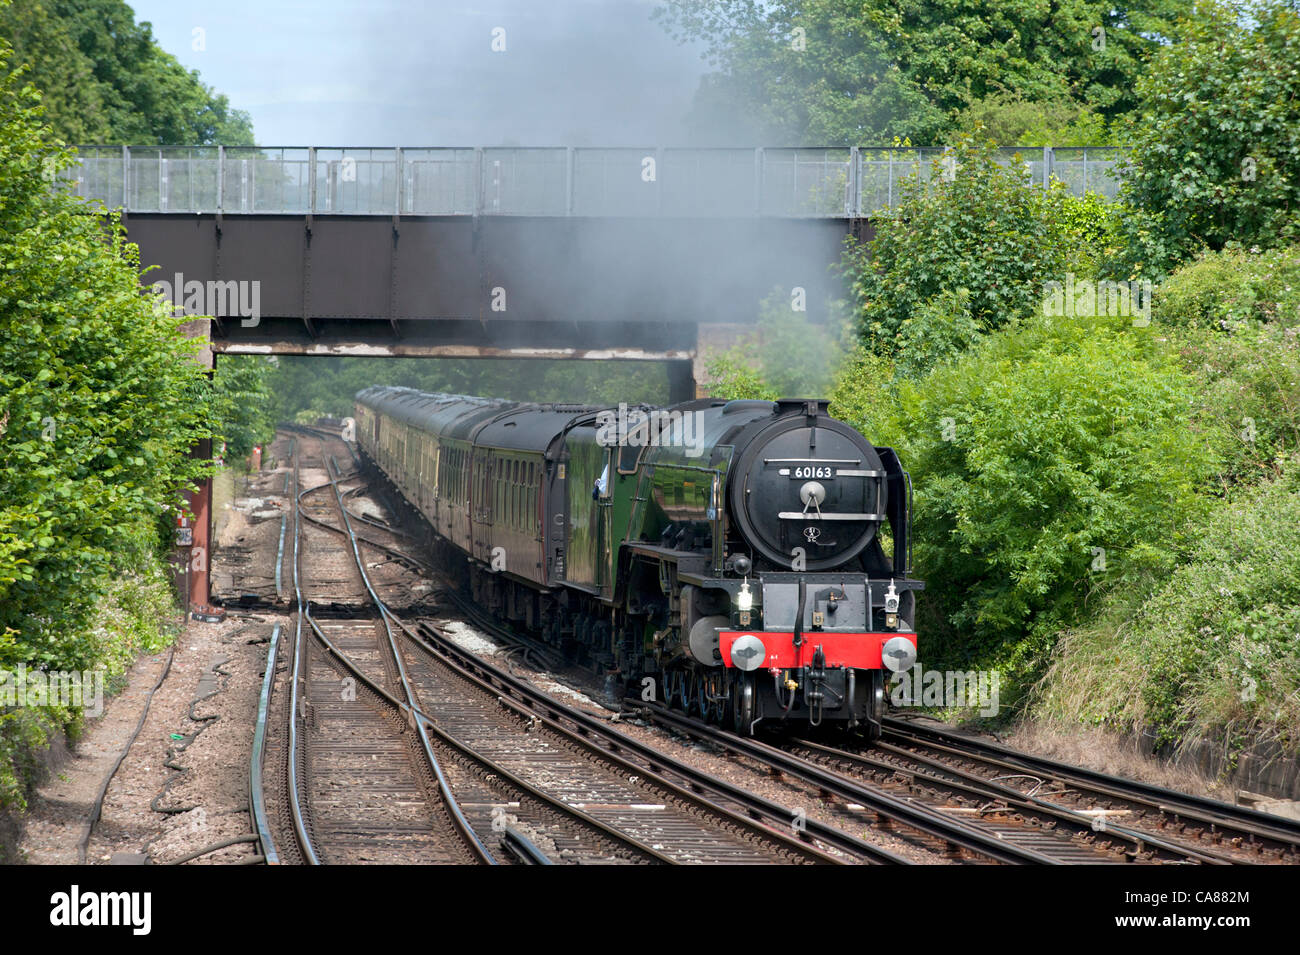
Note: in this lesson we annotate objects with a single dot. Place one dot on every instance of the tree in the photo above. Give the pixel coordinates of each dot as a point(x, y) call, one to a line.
point(849, 72)
point(1214, 161)
point(787, 355)
point(105, 80)
point(1012, 120)
point(328, 384)
point(100, 401)
point(242, 403)
point(73, 98)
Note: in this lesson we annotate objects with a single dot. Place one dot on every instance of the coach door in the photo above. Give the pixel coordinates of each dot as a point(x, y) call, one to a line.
point(555, 513)
point(485, 465)
point(590, 489)
point(604, 493)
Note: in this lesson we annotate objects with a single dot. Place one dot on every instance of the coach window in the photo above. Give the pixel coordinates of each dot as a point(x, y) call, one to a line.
point(630, 450)
point(518, 495)
point(514, 493)
point(530, 494)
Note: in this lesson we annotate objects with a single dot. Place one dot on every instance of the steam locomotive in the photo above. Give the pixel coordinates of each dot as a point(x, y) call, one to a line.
point(747, 561)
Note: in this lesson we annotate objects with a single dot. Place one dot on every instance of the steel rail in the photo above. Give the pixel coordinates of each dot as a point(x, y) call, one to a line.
point(756, 807)
point(257, 758)
point(1201, 809)
point(972, 784)
point(462, 825)
point(586, 730)
point(920, 818)
point(296, 800)
point(411, 714)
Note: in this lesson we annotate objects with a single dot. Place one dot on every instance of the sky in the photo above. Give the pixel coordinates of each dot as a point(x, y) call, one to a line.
point(409, 73)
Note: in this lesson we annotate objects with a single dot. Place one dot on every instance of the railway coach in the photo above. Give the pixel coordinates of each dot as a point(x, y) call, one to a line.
point(748, 561)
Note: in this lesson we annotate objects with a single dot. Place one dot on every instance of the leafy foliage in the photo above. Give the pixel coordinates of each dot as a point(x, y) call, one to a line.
point(836, 72)
point(786, 356)
point(242, 403)
point(1227, 289)
point(100, 399)
point(1013, 120)
point(1211, 651)
point(105, 80)
point(731, 376)
point(978, 236)
point(1214, 159)
point(327, 385)
point(1233, 317)
point(1046, 441)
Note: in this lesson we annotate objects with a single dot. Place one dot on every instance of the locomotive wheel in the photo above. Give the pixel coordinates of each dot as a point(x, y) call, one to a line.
point(670, 688)
point(742, 704)
point(702, 698)
point(684, 691)
point(691, 694)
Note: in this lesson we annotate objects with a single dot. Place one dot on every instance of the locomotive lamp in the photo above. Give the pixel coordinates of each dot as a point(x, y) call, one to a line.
point(745, 598)
point(891, 608)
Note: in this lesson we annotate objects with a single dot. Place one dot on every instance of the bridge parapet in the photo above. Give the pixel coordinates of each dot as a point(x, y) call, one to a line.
point(843, 183)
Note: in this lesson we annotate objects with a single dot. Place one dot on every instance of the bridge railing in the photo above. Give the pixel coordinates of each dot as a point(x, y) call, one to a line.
point(540, 181)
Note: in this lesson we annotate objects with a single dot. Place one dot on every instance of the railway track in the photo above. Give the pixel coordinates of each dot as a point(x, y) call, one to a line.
point(1065, 813)
point(928, 830)
point(1004, 838)
point(1010, 840)
point(1209, 827)
point(651, 821)
point(360, 786)
point(361, 692)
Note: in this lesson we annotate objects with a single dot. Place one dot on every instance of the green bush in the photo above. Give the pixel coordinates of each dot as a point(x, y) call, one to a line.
point(1248, 394)
point(24, 734)
point(938, 331)
point(1232, 317)
point(1011, 119)
point(730, 375)
point(100, 402)
point(1054, 459)
point(1212, 651)
point(1226, 289)
point(984, 235)
point(1213, 157)
point(136, 614)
